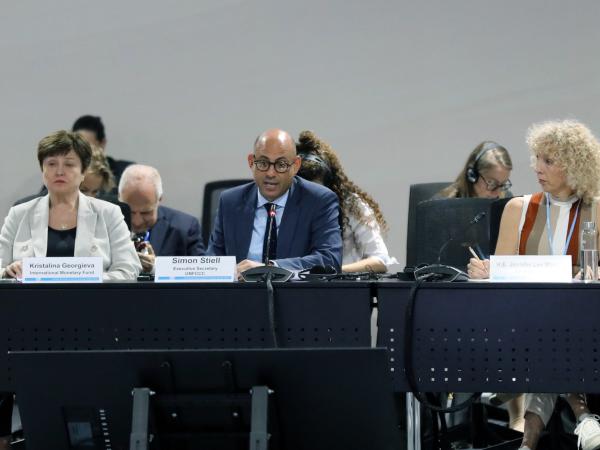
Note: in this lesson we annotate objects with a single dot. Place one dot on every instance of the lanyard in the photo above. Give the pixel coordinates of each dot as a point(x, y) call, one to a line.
point(549, 231)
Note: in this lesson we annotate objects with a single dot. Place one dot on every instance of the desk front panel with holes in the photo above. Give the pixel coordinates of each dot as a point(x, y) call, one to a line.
point(194, 316)
point(475, 337)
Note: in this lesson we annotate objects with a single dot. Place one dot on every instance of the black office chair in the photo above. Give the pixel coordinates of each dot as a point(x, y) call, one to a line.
point(210, 203)
point(445, 229)
point(418, 193)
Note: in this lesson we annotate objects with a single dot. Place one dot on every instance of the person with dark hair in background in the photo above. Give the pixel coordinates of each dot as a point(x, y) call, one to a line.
point(305, 223)
point(92, 129)
point(361, 219)
point(485, 174)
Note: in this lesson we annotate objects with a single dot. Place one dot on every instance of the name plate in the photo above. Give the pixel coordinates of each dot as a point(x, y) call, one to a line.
point(63, 270)
point(531, 268)
point(194, 269)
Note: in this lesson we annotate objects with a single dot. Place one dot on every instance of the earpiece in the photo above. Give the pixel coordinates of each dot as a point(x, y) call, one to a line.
point(472, 171)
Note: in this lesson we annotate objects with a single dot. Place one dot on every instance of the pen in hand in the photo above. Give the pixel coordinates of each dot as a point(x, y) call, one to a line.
point(476, 256)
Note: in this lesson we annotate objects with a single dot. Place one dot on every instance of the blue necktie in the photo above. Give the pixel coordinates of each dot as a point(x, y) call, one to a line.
point(270, 253)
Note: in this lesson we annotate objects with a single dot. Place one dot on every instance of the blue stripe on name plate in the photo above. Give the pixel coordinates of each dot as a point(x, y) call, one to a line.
point(207, 277)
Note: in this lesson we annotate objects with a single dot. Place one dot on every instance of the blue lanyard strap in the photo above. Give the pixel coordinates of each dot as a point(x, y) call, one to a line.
point(549, 231)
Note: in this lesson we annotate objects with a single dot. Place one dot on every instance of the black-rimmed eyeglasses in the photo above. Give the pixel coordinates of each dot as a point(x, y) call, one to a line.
point(281, 165)
point(492, 185)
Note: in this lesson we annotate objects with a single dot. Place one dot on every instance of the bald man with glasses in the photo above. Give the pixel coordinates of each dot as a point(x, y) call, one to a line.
point(301, 217)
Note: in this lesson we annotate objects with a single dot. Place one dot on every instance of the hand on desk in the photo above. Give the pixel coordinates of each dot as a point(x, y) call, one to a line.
point(245, 265)
point(478, 269)
point(14, 270)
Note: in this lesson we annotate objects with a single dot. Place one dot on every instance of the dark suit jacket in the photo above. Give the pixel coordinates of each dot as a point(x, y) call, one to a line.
point(117, 166)
point(309, 233)
point(176, 233)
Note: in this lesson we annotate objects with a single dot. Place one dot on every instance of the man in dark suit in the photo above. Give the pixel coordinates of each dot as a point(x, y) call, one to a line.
point(304, 229)
point(162, 231)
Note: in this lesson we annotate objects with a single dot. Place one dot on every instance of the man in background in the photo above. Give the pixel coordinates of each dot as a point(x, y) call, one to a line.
point(161, 231)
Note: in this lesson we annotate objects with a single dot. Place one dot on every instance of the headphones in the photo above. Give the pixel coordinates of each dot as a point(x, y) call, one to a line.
point(320, 162)
point(472, 172)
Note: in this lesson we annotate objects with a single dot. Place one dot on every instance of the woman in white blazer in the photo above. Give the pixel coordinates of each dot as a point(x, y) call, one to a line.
point(65, 222)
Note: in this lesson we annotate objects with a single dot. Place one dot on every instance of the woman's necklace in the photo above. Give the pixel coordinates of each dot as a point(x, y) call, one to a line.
point(64, 223)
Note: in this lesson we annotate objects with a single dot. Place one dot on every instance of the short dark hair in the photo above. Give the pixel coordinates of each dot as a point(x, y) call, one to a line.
point(91, 123)
point(62, 142)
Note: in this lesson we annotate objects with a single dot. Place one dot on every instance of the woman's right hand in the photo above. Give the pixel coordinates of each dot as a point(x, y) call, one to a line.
point(14, 270)
point(478, 269)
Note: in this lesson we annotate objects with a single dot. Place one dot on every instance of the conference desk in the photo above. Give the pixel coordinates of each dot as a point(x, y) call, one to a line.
point(503, 337)
point(491, 337)
point(116, 316)
point(467, 337)
point(495, 337)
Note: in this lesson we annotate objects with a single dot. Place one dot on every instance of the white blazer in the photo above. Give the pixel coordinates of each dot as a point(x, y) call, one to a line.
point(101, 231)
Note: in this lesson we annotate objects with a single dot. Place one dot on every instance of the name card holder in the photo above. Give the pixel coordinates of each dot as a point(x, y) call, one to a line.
point(78, 269)
point(531, 268)
point(194, 269)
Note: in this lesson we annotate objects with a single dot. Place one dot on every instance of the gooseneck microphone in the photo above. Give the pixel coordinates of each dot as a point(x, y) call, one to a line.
point(475, 220)
point(272, 214)
point(439, 271)
point(267, 274)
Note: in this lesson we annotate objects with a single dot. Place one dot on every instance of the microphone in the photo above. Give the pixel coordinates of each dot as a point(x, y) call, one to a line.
point(272, 214)
point(475, 220)
point(440, 272)
point(268, 273)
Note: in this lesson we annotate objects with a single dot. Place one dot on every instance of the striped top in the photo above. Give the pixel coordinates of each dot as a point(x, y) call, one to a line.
point(533, 229)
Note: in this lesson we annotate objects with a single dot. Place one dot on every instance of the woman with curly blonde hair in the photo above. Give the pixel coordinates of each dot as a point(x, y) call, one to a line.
point(566, 158)
point(361, 219)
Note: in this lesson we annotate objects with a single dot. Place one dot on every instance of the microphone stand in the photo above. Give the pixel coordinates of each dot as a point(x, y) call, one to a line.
point(268, 274)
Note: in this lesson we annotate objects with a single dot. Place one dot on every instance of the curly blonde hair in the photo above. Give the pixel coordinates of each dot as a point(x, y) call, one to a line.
point(574, 149)
point(349, 194)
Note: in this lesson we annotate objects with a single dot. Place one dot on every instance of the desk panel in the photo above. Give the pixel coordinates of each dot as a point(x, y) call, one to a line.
point(178, 316)
point(495, 337)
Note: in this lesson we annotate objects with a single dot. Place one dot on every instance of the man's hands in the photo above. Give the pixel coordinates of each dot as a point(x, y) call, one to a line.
point(147, 257)
point(245, 265)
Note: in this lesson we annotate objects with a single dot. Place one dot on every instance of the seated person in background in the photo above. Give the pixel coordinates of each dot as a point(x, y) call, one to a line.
point(165, 231)
point(65, 222)
point(306, 230)
point(566, 159)
point(99, 179)
point(92, 129)
point(485, 174)
point(361, 218)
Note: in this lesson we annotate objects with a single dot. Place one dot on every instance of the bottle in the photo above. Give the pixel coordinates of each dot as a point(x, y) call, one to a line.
point(589, 252)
